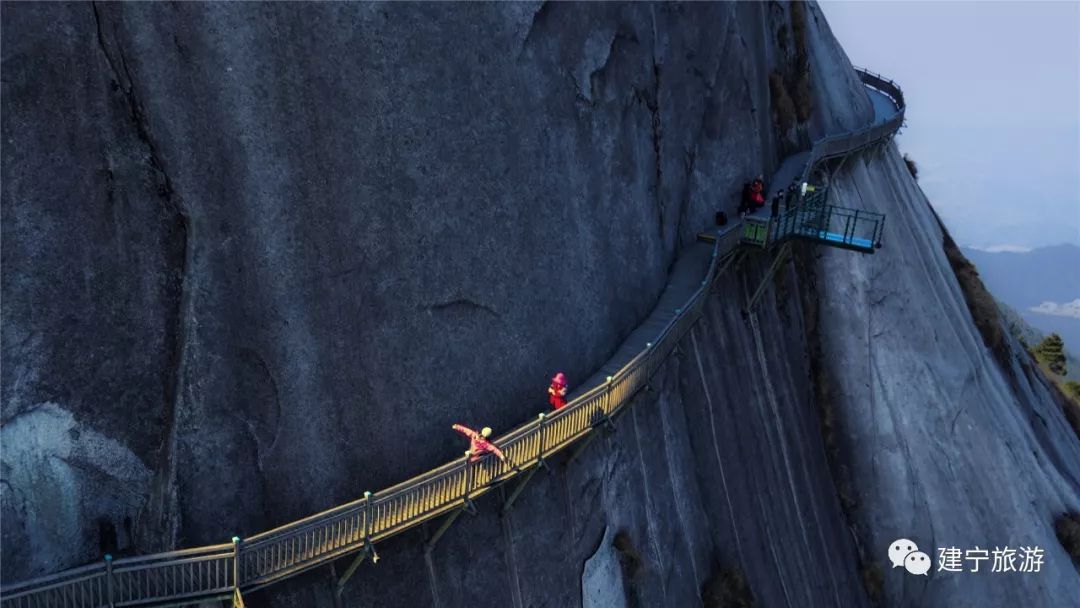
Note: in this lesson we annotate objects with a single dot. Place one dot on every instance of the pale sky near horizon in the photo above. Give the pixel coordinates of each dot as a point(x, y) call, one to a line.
point(993, 118)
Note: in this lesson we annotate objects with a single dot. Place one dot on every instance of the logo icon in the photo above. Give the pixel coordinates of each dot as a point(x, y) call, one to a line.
point(917, 562)
point(899, 549)
point(905, 553)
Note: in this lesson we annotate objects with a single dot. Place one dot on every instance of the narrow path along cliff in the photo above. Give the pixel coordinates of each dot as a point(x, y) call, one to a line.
point(300, 273)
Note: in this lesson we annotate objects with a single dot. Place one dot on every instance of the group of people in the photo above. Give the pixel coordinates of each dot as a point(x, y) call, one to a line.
point(479, 443)
point(753, 195)
point(753, 198)
point(754, 192)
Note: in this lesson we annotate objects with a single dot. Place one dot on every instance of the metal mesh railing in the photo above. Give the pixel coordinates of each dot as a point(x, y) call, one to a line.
point(219, 571)
point(829, 224)
point(843, 144)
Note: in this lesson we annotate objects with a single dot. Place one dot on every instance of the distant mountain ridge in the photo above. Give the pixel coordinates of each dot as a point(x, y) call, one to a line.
point(1042, 285)
point(1026, 279)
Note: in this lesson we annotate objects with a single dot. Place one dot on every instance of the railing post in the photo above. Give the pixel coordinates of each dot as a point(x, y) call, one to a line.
point(540, 449)
point(236, 562)
point(648, 367)
point(610, 406)
point(369, 549)
point(607, 399)
point(470, 481)
point(109, 580)
point(368, 512)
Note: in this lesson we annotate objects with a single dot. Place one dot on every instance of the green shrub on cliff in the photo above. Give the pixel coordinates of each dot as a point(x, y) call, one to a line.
point(1051, 353)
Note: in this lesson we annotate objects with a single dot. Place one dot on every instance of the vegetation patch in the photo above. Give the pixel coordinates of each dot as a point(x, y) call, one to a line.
point(1072, 391)
point(629, 558)
point(1051, 353)
point(912, 168)
point(804, 99)
point(1070, 404)
point(1067, 528)
point(873, 580)
point(783, 106)
point(790, 84)
point(632, 566)
point(798, 29)
point(1051, 359)
point(782, 37)
point(981, 305)
point(987, 317)
point(727, 588)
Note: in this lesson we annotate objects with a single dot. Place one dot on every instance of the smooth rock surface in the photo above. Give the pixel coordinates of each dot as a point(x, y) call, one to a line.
point(602, 577)
point(946, 446)
point(276, 250)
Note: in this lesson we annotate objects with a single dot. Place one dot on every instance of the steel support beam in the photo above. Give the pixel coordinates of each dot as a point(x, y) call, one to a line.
point(466, 507)
point(784, 252)
point(368, 550)
point(581, 447)
point(517, 490)
point(729, 262)
point(604, 421)
point(840, 166)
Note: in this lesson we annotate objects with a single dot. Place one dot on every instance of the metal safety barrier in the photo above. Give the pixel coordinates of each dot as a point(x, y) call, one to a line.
point(854, 229)
point(222, 572)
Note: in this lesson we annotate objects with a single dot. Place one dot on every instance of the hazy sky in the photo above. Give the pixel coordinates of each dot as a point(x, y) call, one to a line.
point(993, 94)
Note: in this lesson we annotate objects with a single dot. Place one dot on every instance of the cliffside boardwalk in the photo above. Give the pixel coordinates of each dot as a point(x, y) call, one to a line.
point(226, 571)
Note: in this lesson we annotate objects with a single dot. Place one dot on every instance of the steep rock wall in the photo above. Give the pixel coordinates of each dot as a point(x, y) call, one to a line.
point(271, 252)
point(257, 258)
point(946, 442)
point(721, 466)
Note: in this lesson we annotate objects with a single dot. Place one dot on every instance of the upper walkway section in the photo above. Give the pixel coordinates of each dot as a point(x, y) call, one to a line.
point(225, 571)
point(815, 220)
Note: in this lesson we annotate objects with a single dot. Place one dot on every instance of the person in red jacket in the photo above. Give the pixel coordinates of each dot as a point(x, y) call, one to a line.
point(557, 391)
point(757, 192)
point(478, 443)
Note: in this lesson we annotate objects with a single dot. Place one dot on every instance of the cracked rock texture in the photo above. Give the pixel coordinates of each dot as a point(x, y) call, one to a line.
point(259, 257)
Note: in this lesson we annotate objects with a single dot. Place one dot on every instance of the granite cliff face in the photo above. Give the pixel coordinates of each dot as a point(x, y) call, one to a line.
point(259, 258)
point(947, 440)
point(274, 251)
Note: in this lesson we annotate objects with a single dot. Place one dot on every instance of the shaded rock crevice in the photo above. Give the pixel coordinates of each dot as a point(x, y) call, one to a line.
point(458, 305)
point(539, 16)
point(159, 524)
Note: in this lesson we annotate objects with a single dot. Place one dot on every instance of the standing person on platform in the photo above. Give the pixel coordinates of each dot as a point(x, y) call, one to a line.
point(557, 391)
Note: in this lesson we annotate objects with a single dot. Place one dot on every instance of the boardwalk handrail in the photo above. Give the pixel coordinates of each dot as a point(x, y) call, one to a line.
point(219, 571)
